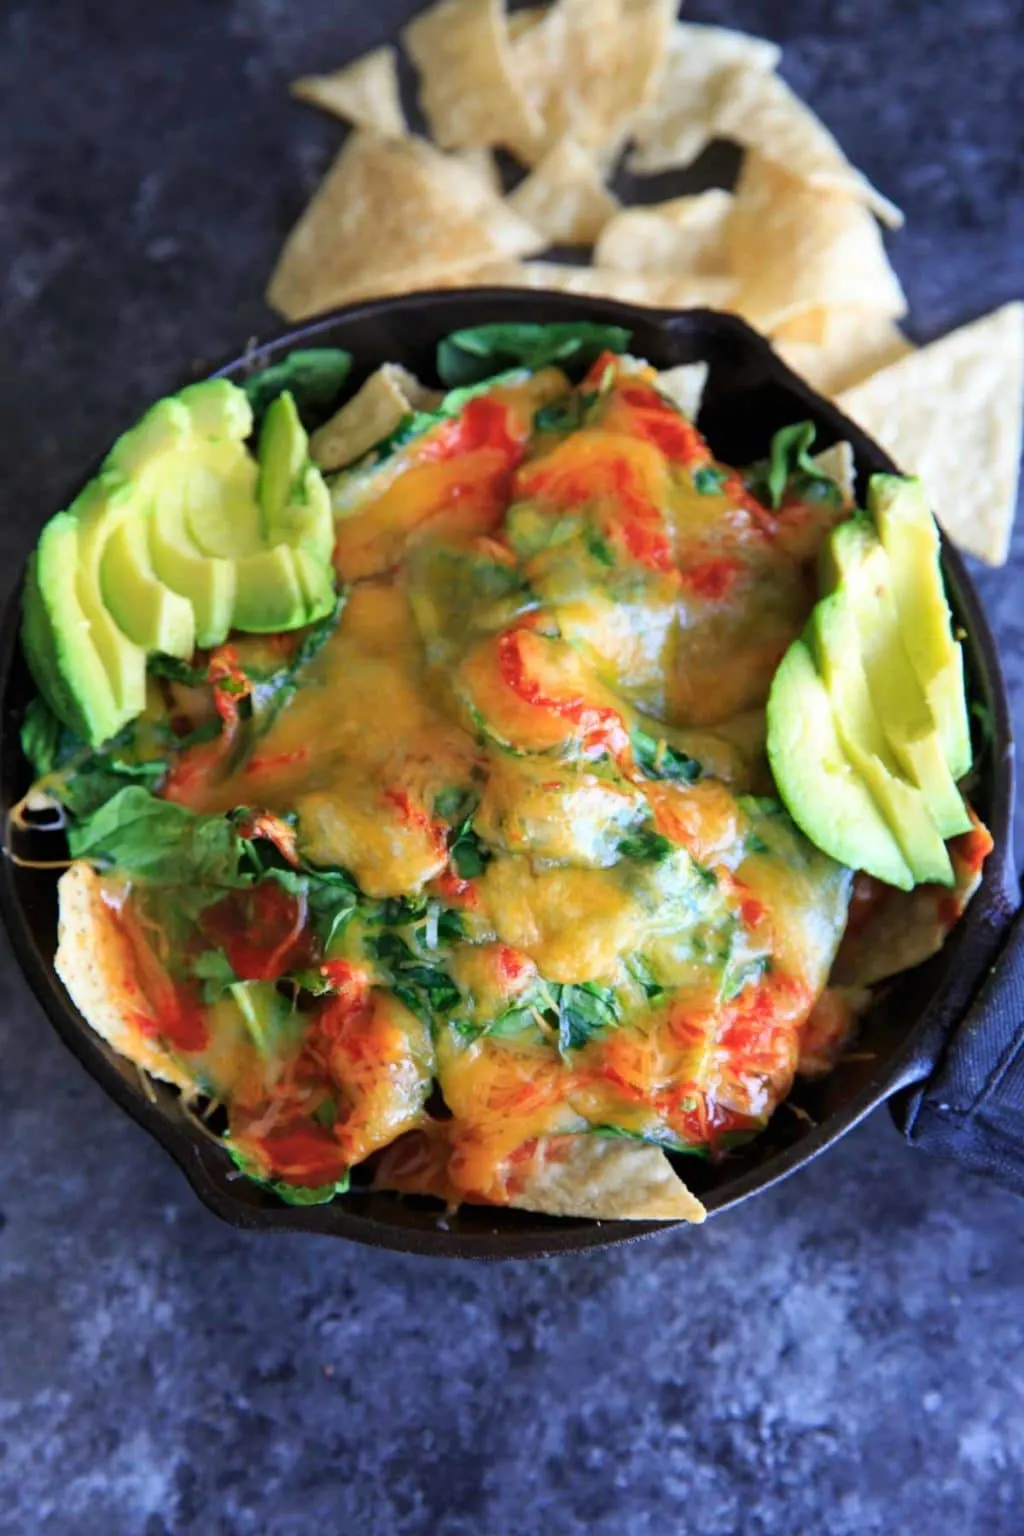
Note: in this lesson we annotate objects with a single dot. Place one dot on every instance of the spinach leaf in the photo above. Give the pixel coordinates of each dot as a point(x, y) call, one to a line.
point(789, 465)
point(740, 973)
point(643, 975)
point(291, 1194)
point(454, 803)
point(661, 761)
point(176, 671)
point(468, 854)
point(214, 969)
point(584, 1010)
point(418, 422)
point(708, 480)
point(400, 911)
point(331, 895)
point(567, 414)
point(469, 356)
point(519, 1017)
point(455, 399)
point(41, 734)
point(79, 777)
point(656, 1137)
point(313, 375)
point(160, 840)
point(598, 547)
point(426, 990)
point(100, 777)
point(451, 926)
point(270, 694)
point(646, 846)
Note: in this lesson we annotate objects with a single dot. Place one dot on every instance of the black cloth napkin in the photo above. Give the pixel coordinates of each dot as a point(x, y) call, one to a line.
point(971, 1106)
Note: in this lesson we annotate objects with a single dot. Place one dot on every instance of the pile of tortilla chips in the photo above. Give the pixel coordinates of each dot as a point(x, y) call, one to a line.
point(796, 248)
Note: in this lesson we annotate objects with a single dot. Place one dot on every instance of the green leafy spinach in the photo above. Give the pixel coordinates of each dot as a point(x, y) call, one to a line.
point(477, 354)
point(789, 466)
point(314, 375)
point(659, 760)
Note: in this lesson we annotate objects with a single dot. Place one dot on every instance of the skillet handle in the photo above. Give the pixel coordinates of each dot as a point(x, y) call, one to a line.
point(967, 1102)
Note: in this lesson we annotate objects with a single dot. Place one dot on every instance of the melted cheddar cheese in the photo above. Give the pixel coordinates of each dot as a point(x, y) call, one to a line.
point(532, 743)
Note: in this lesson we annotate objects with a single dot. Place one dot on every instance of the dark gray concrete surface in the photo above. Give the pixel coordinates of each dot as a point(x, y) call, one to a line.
point(844, 1356)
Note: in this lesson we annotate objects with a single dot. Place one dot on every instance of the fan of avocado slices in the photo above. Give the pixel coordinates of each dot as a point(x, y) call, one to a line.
point(868, 726)
point(184, 535)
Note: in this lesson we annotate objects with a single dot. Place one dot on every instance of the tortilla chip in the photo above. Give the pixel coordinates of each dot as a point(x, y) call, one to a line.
point(521, 21)
point(852, 344)
point(564, 198)
point(374, 412)
point(791, 250)
point(470, 91)
point(829, 1029)
point(684, 386)
point(483, 164)
point(683, 236)
point(838, 463)
point(679, 123)
point(391, 215)
point(590, 67)
point(759, 111)
point(364, 93)
point(907, 927)
point(655, 289)
point(96, 963)
point(806, 329)
point(951, 413)
point(603, 1178)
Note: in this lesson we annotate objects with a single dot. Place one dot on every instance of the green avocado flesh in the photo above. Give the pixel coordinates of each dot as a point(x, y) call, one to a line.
point(836, 650)
point(911, 540)
point(867, 719)
point(824, 793)
point(861, 565)
point(57, 637)
point(182, 537)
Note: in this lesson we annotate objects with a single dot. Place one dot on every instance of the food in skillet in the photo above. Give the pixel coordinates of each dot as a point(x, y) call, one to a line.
point(467, 799)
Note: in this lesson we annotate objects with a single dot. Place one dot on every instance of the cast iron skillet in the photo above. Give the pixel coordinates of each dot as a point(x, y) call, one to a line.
point(750, 394)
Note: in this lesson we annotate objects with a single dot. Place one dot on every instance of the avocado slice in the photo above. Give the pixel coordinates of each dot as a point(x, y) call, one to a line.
point(227, 532)
point(182, 536)
point(294, 500)
point(217, 484)
point(58, 641)
point(147, 610)
point(268, 592)
point(317, 581)
point(910, 537)
point(823, 792)
point(208, 582)
point(835, 644)
point(283, 456)
point(218, 408)
point(98, 509)
point(854, 556)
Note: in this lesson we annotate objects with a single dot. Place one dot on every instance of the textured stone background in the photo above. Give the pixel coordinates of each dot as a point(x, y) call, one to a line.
point(842, 1356)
